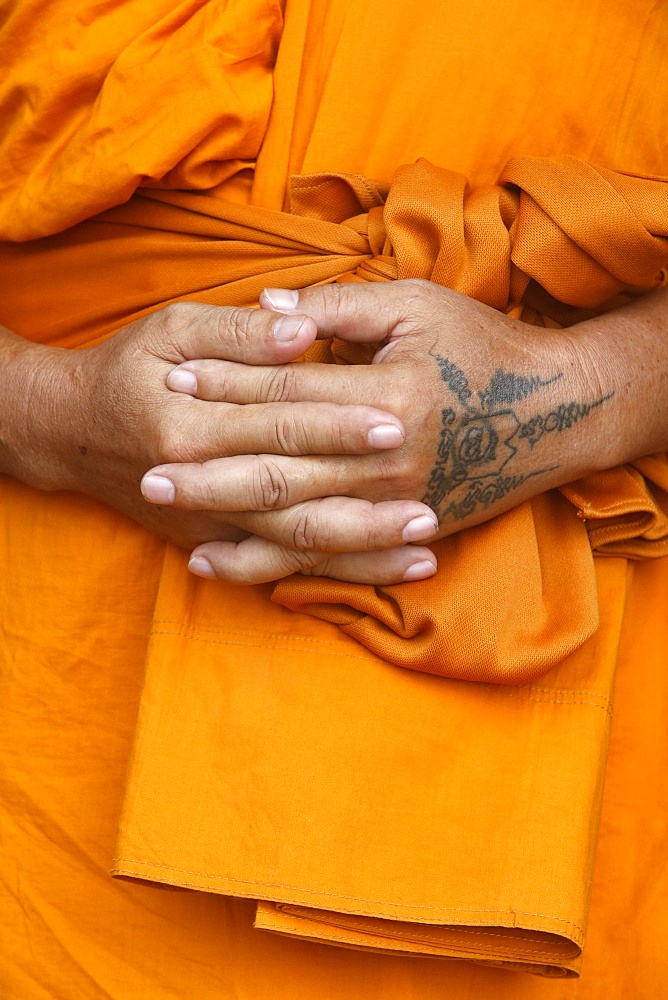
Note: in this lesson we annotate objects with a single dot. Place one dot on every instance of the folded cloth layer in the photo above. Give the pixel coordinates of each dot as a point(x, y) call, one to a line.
point(295, 734)
point(82, 135)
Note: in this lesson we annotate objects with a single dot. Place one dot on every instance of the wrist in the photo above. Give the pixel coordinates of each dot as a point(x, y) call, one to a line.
point(626, 352)
point(35, 411)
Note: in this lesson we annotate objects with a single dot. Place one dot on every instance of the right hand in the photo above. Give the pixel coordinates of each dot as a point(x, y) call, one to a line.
point(105, 415)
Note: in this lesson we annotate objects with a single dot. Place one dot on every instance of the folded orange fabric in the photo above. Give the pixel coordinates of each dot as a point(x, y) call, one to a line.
point(268, 769)
point(71, 673)
point(499, 582)
point(110, 109)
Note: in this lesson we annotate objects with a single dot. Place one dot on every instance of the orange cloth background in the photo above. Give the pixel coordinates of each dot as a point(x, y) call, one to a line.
point(69, 722)
point(112, 136)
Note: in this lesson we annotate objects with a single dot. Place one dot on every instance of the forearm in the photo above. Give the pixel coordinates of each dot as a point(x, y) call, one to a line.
point(628, 349)
point(34, 383)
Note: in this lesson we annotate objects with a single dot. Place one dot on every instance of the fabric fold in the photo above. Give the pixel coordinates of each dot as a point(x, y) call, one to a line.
point(503, 586)
point(89, 132)
point(551, 955)
point(295, 734)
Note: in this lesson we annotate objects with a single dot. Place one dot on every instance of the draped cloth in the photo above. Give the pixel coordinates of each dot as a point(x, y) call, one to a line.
point(280, 754)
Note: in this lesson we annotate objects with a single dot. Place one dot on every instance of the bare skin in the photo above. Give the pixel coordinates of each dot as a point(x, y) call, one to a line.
point(95, 420)
point(495, 412)
point(477, 412)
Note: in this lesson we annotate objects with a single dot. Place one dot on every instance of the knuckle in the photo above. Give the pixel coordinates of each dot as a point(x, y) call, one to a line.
point(175, 442)
point(217, 380)
point(234, 325)
point(283, 430)
point(338, 432)
point(322, 567)
point(208, 498)
point(174, 317)
point(269, 486)
point(373, 535)
point(348, 301)
point(418, 294)
point(308, 532)
point(338, 300)
point(398, 478)
point(279, 385)
point(372, 527)
point(168, 327)
point(302, 562)
point(240, 573)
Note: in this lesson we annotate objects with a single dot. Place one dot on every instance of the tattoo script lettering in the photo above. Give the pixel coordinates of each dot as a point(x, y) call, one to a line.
point(482, 436)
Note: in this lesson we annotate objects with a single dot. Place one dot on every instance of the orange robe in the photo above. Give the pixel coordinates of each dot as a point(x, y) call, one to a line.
point(274, 757)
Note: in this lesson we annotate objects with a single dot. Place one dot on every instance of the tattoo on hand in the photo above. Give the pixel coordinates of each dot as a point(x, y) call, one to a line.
point(481, 437)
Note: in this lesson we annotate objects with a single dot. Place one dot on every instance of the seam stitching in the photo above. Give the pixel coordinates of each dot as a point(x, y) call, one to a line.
point(258, 645)
point(425, 939)
point(335, 895)
point(187, 632)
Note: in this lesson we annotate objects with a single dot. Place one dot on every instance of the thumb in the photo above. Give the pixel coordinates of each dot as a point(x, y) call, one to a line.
point(189, 331)
point(362, 312)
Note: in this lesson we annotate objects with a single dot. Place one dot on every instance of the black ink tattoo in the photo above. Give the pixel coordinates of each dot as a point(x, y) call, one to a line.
point(560, 419)
point(483, 493)
point(506, 387)
point(454, 378)
point(482, 436)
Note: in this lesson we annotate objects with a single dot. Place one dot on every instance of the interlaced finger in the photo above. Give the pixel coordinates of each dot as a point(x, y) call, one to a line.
point(185, 330)
point(226, 381)
point(344, 524)
point(220, 430)
point(257, 560)
point(258, 482)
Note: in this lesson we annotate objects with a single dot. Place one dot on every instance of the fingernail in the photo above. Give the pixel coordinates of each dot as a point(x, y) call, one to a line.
point(419, 571)
point(181, 380)
point(287, 327)
point(281, 299)
point(157, 489)
point(385, 436)
point(419, 528)
point(199, 566)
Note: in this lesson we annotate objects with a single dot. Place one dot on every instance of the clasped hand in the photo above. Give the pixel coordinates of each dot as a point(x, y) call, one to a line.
point(106, 414)
point(466, 413)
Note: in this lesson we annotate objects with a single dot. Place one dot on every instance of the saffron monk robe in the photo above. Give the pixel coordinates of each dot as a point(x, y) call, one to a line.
point(280, 754)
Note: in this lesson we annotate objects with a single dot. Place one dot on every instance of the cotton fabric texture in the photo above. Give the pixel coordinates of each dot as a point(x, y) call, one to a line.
point(287, 744)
